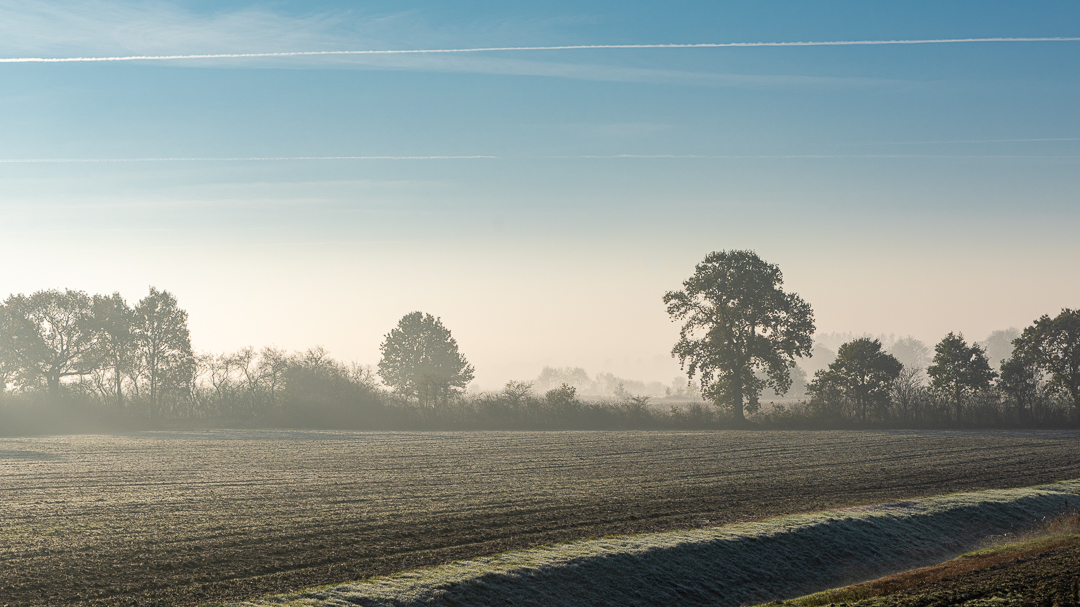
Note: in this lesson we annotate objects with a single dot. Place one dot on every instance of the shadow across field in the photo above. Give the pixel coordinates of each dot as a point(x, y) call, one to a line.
point(182, 518)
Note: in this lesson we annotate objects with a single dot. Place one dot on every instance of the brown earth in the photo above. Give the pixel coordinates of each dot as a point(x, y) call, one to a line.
point(185, 518)
point(1044, 574)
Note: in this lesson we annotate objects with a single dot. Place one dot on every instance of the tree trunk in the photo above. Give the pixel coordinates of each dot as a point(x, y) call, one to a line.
point(1074, 392)
point(117, 381)
point(737, 402)
point(959, 413)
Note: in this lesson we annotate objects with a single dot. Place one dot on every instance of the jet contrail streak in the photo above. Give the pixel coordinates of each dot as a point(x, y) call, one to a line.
point(236, 159)
point(803, 156)
point(575, 157)
point(497, 49)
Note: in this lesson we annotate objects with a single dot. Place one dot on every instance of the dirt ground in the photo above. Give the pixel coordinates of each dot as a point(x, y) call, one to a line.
point(187, 518)
point(1043, 576)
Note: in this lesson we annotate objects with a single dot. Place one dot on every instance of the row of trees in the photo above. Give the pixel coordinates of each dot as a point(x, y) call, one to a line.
point(742, 334)
point(421, 365)
point(137, 361)
point(142, 352)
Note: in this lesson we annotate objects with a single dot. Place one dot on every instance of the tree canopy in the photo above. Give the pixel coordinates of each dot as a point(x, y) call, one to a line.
point(861, 375)
point(420, 359)
point(738, 322)
point(959, 369)
point(1052, 345)
point(49, 335)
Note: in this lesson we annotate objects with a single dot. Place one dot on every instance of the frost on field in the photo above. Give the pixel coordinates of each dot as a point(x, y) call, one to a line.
point(728, 565)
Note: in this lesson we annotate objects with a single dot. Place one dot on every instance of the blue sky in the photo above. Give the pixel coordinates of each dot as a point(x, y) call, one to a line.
point(908, 189)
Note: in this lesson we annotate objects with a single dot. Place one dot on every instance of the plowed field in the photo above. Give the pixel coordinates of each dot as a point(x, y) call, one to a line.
point(184, 518)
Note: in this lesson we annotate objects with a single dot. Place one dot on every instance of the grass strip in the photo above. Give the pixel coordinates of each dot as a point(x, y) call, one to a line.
point(1061, 531)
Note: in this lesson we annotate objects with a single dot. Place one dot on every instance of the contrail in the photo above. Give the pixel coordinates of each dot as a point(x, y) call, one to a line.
point(802, 156)
point(871, 143)
point(231, 159)
point(501, 49)
point(556, 157)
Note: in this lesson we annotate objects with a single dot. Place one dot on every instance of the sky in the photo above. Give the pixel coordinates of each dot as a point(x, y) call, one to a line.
point(541, 202)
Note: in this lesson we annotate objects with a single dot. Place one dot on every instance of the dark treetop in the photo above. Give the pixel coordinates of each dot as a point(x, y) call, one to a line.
point(738, 322)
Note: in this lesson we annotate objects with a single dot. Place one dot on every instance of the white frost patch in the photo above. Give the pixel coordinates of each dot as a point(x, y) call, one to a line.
point(742, 563)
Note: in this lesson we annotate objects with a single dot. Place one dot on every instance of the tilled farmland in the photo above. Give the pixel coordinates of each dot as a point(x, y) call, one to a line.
point(186, 518)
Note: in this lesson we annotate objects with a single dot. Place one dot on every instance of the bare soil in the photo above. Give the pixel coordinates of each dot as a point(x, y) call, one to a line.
point(1046, 574)
point(187, 518)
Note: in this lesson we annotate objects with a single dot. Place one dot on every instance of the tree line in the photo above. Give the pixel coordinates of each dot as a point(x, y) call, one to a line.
point(742, 333)
point(70, 361)
point(99, 358)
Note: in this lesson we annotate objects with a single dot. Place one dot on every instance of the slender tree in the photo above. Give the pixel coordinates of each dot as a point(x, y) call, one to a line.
point(6, 354)
point(113, 320)
point(163, 343)
point(739, 321)
point(1019, 382)
point(273, 363)
point(959, 369)
point(420, 359)
point(1053, 346)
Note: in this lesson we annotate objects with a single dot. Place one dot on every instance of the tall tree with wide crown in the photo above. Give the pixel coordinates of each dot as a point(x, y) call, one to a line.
point(739, 322)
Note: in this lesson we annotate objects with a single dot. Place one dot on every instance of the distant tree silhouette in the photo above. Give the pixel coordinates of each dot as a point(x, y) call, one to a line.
point(420, 359)
point(911, 352)
point(958, 370)
point(553, 377)
point(738, 321)
point(862, 374)
point(999, 346)
point(1053, 346)
point(49, 336)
